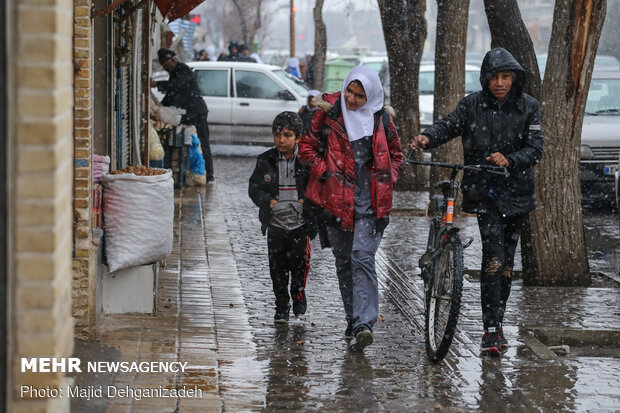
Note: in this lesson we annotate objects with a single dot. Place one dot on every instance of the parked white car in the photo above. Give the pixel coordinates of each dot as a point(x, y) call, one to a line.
point(426, 87)
point(244, 94)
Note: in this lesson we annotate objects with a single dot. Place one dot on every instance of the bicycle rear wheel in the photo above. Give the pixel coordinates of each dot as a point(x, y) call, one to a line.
point(443, 299)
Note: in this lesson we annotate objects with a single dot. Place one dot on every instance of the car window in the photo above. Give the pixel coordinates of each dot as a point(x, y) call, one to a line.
point(297, 85)
point(606, 63)
point(472, 81)
point(213, 82)
point(427, 82)
point(603, 96)
point(256, 85)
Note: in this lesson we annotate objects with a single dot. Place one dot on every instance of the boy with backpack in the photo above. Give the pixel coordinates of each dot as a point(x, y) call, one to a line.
point(277, 186)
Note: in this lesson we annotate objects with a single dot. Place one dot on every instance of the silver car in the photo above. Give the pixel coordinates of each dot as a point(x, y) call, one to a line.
point(600, 139)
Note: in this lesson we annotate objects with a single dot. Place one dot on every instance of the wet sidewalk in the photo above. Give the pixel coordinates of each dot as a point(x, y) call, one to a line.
point(215, 312)
point(200, 320)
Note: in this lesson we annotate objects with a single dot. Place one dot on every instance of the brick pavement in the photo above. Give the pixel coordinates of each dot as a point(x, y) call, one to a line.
point(215, 310)
point(200, 319)
point(394, 374)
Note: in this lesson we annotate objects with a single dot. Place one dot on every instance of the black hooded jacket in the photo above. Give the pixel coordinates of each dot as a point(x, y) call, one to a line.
point(513, 129)
point(182, 91)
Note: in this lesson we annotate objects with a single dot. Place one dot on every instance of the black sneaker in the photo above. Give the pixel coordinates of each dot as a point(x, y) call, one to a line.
point(281, 316)
point(348, 333)
point(363, 338)
point(300, 306)
point(491, 342)
point(502, 339)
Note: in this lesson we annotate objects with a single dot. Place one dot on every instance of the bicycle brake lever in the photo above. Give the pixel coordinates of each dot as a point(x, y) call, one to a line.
point(501, 170)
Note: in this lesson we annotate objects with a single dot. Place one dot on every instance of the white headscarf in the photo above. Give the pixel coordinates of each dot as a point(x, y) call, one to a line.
point(360, 122)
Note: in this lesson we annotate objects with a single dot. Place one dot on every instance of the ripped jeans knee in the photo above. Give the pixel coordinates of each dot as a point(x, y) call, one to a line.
point(493, 266)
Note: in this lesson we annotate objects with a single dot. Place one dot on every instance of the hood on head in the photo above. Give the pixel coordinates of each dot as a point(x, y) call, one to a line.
point(500, 60)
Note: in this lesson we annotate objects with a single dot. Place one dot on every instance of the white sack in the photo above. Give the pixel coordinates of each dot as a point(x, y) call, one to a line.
point(138, 216)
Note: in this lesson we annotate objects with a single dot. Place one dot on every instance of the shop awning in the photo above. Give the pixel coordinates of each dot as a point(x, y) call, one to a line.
point(170, 9)
point(173, 9)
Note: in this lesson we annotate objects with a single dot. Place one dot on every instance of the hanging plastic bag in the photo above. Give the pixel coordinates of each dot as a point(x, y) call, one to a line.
point(196, 163)
point(156, 150)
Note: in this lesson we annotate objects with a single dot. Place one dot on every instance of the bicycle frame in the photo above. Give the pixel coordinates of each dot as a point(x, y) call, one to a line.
point(442, 264)
point(446, 227)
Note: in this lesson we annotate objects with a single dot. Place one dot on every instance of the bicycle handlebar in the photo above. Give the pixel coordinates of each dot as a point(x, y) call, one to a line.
point(492, 169)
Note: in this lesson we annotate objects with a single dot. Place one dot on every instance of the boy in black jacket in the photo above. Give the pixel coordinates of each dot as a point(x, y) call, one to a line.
point(277, 187)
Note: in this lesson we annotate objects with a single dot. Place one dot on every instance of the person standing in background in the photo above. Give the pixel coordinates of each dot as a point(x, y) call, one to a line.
point(183, 92)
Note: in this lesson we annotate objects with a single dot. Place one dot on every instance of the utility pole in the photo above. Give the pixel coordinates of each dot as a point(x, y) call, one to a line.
point(292, 28)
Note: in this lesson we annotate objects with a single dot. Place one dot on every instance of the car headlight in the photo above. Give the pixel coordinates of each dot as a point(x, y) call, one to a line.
point(586, 152)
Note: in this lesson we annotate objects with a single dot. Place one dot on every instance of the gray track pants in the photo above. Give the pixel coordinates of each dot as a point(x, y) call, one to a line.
point(355, 267)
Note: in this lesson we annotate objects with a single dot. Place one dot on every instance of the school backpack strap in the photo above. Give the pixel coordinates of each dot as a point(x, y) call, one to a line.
point(385, 117)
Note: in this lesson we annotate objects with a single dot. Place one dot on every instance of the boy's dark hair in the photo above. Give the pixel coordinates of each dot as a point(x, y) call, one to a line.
point(289, 120)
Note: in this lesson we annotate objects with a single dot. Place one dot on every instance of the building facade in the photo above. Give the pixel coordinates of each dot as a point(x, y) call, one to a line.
point(38, 162)
point(75, 83)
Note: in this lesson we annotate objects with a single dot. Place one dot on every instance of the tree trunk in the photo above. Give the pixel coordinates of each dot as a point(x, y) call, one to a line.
point(509, 31)
point(404, 29)
point(258, 22)
point(452, 18)
point(320, 45)
point(244, 26)
point(553, 244)
point(557, 228)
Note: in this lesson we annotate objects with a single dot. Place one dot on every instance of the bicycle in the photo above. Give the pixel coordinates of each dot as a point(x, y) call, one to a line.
point(442, 263)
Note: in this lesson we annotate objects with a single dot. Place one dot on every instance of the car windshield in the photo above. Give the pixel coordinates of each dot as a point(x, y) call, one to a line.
point(297, 85)
point(604, 97)
point(427, 82)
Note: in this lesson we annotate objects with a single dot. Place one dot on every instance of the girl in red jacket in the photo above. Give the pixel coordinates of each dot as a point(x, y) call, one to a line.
point(354, 155)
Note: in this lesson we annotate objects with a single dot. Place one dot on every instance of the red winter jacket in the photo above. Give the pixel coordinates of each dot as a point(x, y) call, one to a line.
point(332, 172)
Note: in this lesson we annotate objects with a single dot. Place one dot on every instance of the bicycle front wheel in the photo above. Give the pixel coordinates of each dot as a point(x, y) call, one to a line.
point(443, 299)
